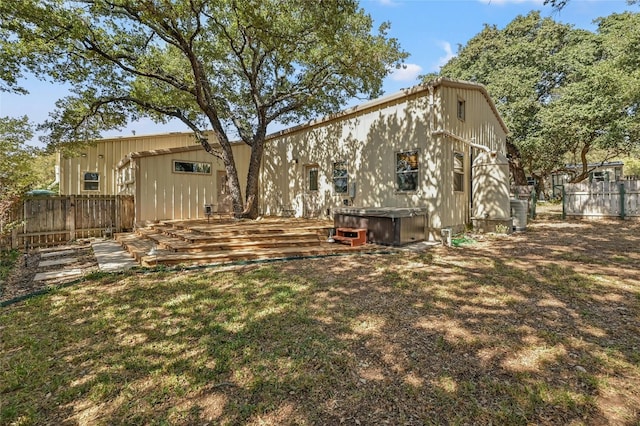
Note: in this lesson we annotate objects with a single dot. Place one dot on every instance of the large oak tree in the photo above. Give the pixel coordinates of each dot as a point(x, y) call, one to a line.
point(566, 94)
point(232, 67)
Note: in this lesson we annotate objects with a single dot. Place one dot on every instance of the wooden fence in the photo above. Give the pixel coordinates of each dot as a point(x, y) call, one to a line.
point(602, 199)
point(48, 221)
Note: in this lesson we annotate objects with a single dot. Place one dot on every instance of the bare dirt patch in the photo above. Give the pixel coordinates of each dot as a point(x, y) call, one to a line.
point(20, 281)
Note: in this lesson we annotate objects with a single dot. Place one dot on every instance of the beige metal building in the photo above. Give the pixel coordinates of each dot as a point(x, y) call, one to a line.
point(411, 150)
point(177, 183)
point(92, 171)
point(169, 175)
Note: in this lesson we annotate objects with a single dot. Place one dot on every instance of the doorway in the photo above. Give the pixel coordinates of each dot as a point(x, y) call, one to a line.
point(310, 197)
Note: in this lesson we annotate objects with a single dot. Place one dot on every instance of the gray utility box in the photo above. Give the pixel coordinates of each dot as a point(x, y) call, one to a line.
point(393, 226)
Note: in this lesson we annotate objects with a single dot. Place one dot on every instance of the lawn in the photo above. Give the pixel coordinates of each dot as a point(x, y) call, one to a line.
point(535, 328)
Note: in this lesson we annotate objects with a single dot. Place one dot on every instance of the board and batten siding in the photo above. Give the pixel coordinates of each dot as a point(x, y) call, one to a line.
point(103, 155)
point(163, 194)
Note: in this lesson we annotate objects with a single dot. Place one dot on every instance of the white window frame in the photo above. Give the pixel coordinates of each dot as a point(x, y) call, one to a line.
point(341, 167)
point(398, 172)
point(461, 109)
point(458, 172)
point(307, 171)
point(85, 181)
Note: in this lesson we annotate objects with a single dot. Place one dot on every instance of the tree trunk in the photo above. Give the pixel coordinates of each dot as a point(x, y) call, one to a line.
point(230, 168)
point(515, 164)
point(253, 180)
point(585, 165)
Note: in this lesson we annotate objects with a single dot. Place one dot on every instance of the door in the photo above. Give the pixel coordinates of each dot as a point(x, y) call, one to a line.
point(310, 197)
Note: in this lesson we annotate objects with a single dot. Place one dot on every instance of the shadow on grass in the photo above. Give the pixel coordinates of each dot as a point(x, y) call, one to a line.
point(480, 335)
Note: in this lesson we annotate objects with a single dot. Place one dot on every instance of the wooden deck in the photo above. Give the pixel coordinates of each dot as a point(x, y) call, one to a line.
point(227, 240)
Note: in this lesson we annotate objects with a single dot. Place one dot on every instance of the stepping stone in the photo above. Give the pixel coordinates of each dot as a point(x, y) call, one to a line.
point(57, 262)
point(54, 275)
point(111, 256)
point(57, 253)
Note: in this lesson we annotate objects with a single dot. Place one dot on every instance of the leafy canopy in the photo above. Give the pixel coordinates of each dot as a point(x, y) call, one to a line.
point(230, 66)
point(564, 93)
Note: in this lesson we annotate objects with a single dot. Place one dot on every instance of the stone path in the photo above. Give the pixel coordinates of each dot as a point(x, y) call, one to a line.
point(63, 263)
point(111, 256)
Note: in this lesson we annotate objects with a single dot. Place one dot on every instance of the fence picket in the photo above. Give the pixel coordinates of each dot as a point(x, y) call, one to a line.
point(602, 199)
point(60, 219)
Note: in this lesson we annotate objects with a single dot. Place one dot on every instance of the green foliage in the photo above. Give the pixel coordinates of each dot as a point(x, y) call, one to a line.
point(16, 164)
point(521, 65)
point(233, 67)
point(564, 93)
point(632, 166)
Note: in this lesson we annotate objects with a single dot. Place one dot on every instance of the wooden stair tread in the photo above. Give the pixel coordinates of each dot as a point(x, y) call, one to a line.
point(199, 237)
point(239, 245)
point(257, 254)
point(136, 246)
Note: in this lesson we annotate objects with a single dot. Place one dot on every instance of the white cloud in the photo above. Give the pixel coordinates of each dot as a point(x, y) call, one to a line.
point(442, 60)
point(387, 2)
point(408, 72)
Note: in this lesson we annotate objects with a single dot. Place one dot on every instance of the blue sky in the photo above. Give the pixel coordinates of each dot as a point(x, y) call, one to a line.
point(430, 30)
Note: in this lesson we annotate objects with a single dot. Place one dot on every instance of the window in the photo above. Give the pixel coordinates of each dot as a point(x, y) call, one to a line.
point(461, 109)
point(312, 178)
point(458, 171)
point(340, 177)
point(407, 170)
point(191, 167)
point(91, 181)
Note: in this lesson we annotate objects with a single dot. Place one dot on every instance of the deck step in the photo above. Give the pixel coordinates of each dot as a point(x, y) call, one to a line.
point(242, 245)
point(249, 255)
point(223, 241)
point(193, 237)
point(136, 246)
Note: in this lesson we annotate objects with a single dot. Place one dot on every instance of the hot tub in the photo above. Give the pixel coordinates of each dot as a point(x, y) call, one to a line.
point(395, 226)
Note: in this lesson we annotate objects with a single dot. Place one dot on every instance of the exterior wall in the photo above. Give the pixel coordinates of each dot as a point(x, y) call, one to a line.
point(366, 141)
point(162, 194)
point(480, 123)
point(368, 138)
point(103, 156)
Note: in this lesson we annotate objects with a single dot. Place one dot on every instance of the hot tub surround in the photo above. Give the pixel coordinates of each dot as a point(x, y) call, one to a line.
point(395, 226)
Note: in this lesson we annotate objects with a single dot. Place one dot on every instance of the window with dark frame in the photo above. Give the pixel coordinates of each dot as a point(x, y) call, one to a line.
point(340, 177)
point(458, 171)
point(312, 178)
point(461, 109)
point(407, 168)
point(91, 181)
point(191, 167)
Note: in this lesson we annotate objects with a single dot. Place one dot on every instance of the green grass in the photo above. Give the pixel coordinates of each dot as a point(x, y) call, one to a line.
point(462, 240)
point(448, 337)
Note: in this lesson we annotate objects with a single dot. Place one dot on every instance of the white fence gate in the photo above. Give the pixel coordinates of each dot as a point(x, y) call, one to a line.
point(602, 199)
